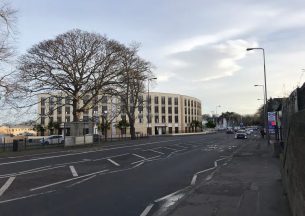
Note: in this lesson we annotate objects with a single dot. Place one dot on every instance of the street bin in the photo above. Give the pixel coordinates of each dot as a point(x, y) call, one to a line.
point(15, 145)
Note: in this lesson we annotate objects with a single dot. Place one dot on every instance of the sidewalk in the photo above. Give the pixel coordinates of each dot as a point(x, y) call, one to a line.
point(249, 185)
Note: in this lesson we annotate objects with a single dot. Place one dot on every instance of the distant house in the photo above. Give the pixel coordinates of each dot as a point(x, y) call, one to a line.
point(17, 130)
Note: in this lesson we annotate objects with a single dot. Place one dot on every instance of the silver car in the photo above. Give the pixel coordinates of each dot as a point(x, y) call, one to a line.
point(241, 134)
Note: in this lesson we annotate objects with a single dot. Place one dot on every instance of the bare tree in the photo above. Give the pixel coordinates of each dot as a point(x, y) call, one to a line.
point(7, 33)
point(132, 86)
point(78, 64)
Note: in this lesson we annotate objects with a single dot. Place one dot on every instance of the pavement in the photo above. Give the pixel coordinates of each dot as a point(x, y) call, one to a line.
point(247, 184)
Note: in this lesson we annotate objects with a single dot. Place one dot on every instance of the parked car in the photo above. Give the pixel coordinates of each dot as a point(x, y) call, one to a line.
point(53, 139)
point(241, 134)
point(249, 131)
point(230, 131)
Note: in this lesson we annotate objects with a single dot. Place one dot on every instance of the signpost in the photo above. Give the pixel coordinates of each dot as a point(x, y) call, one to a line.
point(272, 122)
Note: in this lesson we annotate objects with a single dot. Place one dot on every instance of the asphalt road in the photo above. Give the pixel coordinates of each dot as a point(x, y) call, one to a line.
point(117, 180)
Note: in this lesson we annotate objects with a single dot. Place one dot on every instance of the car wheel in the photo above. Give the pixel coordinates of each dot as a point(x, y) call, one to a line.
point(46, 143)
point(62, 142)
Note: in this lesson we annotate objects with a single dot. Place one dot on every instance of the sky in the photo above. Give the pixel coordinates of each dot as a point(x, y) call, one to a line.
point(198, 47)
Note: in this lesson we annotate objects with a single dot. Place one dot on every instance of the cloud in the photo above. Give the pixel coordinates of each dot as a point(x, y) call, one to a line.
point(205, 63)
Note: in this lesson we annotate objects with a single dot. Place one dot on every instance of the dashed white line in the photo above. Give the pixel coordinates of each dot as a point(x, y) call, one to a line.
point(73, 171)
point(170, 148)
point(158, 152)
point(24, 197)
point(113, 162)
point(147, 209)
point(6, 185)
point(67, 180)
point(139, 156)
point(81, 181)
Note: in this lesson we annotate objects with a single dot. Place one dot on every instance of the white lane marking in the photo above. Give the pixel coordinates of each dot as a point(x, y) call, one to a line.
point(6, 185)
point(114, 156)
point(172, 194)
point(139, 156)
point(73, 171)
point(67, 180)
point(194, 180)
point(147, 209)
point(29, 172)
point(25, 197)
point(138, 165)
point(113, 162)
point(81, 181)
point(158, 152)
point(170, 148)
point(86, 152)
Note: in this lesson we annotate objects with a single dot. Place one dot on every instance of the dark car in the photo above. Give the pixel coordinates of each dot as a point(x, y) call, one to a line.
point(241, 134)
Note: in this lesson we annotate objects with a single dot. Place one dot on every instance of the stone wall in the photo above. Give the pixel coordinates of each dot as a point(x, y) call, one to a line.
point(293, 162)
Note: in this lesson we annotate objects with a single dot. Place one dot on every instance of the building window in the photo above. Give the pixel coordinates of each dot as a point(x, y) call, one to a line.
point(163, 119)
point(163, 110)
point(191, 103)
point(68, 119)
point(59, 100)
point(170, 119)
point(140, 120)
point(104, 99)
point(156, 119)
point(43, 101)
point(156, 109)
point(176, 110)
point(67, 110)
point(189, 111)
point(176, 119)
point(176, 130)
point(59, 110)
point(169, 101)
point(68, 100)
point(170, 130)
point(156, 100)
point(104, 108)
point(43, 111)
point(185, 110)
point(59, 119)
point(51, 100)
point(169, 110)
point(163, 100)
point(185, 119)
point(176, 101)
point(185, 102)
point(188, 102)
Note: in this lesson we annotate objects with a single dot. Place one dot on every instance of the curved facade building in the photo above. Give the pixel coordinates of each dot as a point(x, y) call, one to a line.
point(169, 113)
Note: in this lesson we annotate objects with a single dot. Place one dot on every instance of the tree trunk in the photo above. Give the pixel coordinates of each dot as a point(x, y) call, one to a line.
point(75, 112)
point(132, 130)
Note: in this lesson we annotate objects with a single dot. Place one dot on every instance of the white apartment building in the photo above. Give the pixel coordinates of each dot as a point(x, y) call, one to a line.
point(169, 113)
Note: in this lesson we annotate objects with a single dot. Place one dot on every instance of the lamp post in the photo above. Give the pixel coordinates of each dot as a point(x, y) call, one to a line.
point(265, 95)
point(216, 115)
point(148, 104)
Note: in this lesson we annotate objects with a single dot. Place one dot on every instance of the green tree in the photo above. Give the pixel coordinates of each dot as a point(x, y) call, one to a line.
point(122, 125)
point(39, 129)
point(196, 124)
point(210, 124)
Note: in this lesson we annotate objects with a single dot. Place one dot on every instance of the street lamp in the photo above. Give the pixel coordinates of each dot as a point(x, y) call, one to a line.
point(266, 98)
point(216, 114)
point(148, 104)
